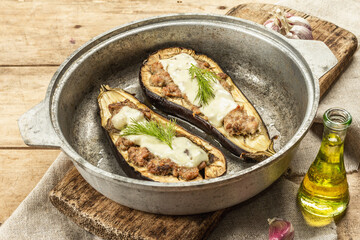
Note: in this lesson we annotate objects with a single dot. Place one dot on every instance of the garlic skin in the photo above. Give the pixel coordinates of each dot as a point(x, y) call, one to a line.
point(293, 27)
point(280, 229)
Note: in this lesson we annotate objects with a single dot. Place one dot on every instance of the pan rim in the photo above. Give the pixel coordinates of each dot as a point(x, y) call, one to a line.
point(312, 106)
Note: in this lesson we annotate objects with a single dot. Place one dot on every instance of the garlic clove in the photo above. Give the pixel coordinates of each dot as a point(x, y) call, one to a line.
point(299, 21)
point(280, 229)
point(300, 32)
point(272, 25)
point(289, 25)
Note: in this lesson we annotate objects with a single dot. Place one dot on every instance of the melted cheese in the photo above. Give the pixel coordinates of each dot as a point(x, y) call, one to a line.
point(184, 152)
point(217, 107)
point(124, 116)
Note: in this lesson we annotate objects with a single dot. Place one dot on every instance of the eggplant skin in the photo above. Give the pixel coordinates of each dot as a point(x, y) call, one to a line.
point(214, 168)
point(187, 114)
point(171, 105)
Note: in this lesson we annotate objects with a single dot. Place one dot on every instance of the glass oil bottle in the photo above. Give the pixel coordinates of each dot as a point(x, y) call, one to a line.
point(324, 189)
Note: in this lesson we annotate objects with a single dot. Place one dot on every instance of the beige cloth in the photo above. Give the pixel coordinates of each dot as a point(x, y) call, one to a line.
point(36, 218)
point(345, 92)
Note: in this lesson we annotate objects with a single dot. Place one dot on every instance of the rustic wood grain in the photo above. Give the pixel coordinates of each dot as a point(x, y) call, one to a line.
point(74, 197)
point(341, 42)
point(99, 215)
point(20, 171)
point(46, 32)
point(42, 34)
point(21, 88)
point(36, 36)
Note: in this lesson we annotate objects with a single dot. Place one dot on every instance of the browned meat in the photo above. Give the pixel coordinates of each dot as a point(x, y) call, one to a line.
point(195, 110)
point(238, 122)
point(160, 79)
point(109, 125)
point(202, 165)
point(139, 156)
point(187, 173)
point(222, 75)
point(146, 112)
point(157, 81)
point(223, 82)
point(172, 90)
point(203, 65)
point(124, 143)
point(225, 85)
point(161, 167)
point(114, 108)
point(156, 67)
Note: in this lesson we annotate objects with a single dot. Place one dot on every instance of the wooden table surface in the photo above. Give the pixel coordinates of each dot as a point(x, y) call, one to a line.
point(36, 37)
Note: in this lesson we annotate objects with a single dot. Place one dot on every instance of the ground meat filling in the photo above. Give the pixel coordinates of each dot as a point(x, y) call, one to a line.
point(115, 108)
point(142, 157)
point(238, 122)
point(161, 78)
point(124, 144)
point(187, 173)
point(161, 167)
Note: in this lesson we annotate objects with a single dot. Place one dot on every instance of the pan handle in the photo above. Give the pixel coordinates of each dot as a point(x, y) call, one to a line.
point(36, 128)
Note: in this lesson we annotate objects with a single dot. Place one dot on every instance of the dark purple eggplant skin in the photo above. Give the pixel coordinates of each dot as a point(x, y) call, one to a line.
point(129, 171)
point(169, 107)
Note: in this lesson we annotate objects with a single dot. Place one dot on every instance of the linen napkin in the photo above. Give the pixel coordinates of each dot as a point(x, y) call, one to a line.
point(36, 218)
point(343, 93)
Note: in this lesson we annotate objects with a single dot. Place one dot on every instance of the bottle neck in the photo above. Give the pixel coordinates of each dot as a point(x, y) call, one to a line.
point(336, 123)
point(334, 135)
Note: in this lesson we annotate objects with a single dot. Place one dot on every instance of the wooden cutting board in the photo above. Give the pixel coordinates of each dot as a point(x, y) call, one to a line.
point(341, 42)
point(75, 198)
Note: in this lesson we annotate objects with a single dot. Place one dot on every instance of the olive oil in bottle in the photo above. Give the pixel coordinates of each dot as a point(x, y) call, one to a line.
point(324, 189)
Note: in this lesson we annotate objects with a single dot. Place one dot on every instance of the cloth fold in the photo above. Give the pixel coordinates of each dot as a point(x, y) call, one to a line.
point(343, 93)
point(37, 218)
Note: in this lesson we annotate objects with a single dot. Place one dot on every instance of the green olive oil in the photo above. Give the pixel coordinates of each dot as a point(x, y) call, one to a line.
point(324, 189)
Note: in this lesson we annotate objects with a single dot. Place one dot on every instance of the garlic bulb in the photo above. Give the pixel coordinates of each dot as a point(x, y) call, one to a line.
point(280, 229)
point(290, 26)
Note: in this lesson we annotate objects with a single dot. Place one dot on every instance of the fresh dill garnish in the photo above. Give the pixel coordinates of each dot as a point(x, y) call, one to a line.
point(204, 78)
point(152, 128)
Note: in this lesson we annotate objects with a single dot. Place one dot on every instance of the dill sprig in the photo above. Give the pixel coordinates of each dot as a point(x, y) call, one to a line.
point(152, 128)
point(204, 78)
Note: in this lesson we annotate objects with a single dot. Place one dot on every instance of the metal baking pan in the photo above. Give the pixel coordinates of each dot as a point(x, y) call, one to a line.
point(271, 73)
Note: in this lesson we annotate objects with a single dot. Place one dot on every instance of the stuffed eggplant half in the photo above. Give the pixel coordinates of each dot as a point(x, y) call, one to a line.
point(194, 87)
point(153, 146)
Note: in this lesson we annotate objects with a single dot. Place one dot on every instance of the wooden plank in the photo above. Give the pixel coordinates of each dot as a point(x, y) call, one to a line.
point(74, 197)
point(79, 201)
point(20, 171)
point(21, 88)
point(341, 42)
point(46, 32)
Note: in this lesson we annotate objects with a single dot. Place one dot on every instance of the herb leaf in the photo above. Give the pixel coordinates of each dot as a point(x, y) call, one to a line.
point(152, 128)
point(204, 78)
